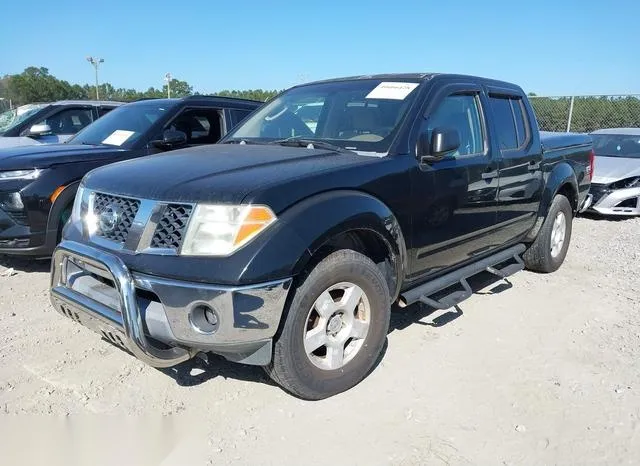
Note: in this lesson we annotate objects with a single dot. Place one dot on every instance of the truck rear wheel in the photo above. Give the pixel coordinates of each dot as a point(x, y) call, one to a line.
point(335, 329)
point(549, 249)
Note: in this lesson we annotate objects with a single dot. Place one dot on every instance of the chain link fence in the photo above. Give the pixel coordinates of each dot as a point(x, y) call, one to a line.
point(586, 113)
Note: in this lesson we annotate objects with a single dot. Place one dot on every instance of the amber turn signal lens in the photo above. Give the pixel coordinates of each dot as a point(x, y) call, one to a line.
point(56, 193)
point(258, 218)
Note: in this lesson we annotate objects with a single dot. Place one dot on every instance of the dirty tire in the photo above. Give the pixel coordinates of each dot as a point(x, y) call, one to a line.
point(538, 257)
point(291, 367)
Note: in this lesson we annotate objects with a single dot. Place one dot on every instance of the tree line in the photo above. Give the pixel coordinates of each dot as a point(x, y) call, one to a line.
point(38, 85)
point(589, 113)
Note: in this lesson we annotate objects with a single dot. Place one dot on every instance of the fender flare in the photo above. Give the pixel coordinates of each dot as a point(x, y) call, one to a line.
point(307, 226)
point(65, 198)
point(562, 176)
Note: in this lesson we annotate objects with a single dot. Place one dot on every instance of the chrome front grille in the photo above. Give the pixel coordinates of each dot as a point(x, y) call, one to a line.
point(140, 226)
point(172, 226)
point(122, 210)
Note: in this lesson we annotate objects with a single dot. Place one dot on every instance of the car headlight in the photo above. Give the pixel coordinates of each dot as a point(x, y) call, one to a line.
point(81, 198)
point(218, 230)
point(20, 174)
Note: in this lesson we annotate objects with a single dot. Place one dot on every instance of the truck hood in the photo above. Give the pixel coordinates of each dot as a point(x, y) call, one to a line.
point(17, 142)
point(611, 169)
point(219, 173)
point(46, 155)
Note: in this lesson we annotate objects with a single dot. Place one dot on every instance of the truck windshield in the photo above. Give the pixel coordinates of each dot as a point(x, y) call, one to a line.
point(123, 126)
point(361, 115)
point(12, 118)
point(616, 145)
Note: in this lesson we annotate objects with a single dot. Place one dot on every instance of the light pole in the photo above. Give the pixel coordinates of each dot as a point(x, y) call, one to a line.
point(167, 78)
point(96, 63)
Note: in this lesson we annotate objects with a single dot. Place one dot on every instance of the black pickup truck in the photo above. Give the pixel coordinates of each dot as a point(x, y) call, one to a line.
point(38, 183)
point(286, 244)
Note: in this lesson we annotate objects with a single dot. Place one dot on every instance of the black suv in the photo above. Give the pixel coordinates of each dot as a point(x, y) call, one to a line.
point(49, 123)
point(38, 183)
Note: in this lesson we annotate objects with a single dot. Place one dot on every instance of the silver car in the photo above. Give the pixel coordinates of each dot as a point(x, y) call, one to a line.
point(615, 187)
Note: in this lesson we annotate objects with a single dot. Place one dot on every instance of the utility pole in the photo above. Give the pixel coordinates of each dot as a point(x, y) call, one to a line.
point(167, 78)
point(96, 63)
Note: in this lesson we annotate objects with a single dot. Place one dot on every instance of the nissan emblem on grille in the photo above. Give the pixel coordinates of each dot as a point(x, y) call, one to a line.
point(115, 215)
point(109, 218)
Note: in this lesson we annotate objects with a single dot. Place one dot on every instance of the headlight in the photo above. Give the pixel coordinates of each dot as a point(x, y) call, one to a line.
point(20, 175)
point(76, 211)
point(217, 230)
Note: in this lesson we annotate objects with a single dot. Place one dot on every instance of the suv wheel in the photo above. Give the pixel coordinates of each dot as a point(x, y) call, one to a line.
point(335, 329)
point(549, 249)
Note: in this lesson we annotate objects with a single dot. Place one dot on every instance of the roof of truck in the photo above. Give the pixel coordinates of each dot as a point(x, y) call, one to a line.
point(86, 102)
point(417, 76)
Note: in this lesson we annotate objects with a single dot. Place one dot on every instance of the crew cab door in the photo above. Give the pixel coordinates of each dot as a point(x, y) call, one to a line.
point(521, 183)
point(454, 211)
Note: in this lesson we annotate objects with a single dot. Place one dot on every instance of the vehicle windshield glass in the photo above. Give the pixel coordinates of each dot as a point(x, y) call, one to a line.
point(12, 118)
point(361, 115)
point(617, 145)
point(123, 126)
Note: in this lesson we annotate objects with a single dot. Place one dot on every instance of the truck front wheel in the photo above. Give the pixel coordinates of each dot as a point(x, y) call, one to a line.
point(335, 328)
point(549, 249)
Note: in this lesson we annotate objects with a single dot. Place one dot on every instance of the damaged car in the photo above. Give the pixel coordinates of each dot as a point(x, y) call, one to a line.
point(615, 188)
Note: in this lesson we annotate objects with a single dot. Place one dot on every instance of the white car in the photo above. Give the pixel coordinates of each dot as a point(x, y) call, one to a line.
point(615, 187)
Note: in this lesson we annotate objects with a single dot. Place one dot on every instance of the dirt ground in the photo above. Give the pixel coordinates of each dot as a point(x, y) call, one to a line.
point(543, 371)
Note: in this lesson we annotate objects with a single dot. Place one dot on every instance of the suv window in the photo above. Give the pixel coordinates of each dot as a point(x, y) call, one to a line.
point(104, 110)
point(201, 125)
point(462, 113)
point(68, 121)
point(238, 115)
point(511, 121)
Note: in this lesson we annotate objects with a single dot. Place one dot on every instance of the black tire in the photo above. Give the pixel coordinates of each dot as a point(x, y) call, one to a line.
point(538, 257)
point(64, 216)
point(291, 368)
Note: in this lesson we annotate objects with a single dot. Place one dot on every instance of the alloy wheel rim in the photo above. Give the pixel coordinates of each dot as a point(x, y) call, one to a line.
point(337, 325)
point(558, 234)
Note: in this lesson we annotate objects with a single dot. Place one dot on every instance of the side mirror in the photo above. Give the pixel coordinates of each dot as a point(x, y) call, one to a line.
point(171, 139)
point(443, 141)
point(39, 130)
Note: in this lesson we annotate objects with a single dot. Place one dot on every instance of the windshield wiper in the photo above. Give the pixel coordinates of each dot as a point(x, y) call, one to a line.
point(310, 143)
point(241, 141)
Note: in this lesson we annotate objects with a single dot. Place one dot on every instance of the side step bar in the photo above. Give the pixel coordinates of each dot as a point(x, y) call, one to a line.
point(424, 292)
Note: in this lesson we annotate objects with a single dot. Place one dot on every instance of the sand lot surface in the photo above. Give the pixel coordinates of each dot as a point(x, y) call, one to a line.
point(545, 371)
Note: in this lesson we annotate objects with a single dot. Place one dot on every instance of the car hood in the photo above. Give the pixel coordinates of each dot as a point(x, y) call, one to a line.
point(46, 155)
point(219, 173)
point(17, 142)
point(611, 169)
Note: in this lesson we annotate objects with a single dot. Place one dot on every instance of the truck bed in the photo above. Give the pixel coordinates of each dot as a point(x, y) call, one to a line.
point(554, 140)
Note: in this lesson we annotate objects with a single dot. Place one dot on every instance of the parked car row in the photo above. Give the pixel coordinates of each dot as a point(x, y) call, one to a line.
point(279, 234)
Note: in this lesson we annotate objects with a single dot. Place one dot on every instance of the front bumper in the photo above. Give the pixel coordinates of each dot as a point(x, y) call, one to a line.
point(16, 237)
point(624, 202)
point(153, 317)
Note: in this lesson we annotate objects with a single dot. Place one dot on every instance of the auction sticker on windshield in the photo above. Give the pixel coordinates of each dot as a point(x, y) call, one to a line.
point(118, 137)
point(393, 91)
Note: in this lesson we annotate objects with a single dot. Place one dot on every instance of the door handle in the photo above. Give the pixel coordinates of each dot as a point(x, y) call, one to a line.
point(489, 175)
point(533, 165)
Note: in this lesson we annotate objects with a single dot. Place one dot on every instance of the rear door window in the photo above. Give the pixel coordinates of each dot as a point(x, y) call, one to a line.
point(504, 122)
point(511, 121)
